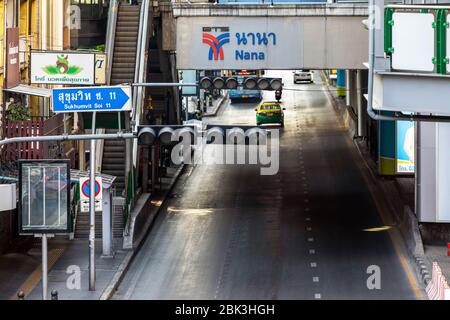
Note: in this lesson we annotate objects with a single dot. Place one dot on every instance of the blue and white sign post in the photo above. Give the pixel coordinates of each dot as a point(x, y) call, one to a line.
point(92, 99)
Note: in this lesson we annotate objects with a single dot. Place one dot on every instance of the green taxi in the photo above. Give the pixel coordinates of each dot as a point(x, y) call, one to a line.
point(270, 112)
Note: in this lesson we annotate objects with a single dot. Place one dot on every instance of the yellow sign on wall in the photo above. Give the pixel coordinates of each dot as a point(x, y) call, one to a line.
point(100, 68)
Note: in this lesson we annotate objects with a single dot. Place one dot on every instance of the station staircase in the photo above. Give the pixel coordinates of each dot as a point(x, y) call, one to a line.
point(123, 68)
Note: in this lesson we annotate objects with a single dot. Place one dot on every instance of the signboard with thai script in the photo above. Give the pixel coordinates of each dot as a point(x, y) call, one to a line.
point(227, 44)
point(89, 99)
point(262, 43)
point(63, 68)
point(12, 58)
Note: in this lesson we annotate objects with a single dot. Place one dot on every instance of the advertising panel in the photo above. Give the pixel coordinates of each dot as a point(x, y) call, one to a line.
point(405, 147)
point(12, 58)
point(63, 68)
point(44, 196)
point(100, 68)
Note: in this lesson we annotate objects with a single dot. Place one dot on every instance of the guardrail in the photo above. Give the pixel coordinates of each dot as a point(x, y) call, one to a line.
point(438, 288)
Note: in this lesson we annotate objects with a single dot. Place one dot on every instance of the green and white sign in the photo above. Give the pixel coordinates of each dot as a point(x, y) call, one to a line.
point(63, 68)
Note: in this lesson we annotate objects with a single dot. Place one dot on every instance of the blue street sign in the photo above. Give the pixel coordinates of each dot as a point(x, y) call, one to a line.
point(88, 99)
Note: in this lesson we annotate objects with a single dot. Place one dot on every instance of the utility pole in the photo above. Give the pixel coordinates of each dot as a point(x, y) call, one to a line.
point(92, 210)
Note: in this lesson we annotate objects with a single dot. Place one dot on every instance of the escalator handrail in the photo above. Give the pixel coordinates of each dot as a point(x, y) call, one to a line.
point(110, 37)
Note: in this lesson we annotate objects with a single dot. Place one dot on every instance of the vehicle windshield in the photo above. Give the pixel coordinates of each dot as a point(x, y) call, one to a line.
point(270, 107)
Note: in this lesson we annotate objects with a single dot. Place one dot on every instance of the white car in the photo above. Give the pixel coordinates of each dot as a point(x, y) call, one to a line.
point(303, 75)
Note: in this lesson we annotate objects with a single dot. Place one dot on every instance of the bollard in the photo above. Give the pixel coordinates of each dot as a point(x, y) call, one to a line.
point(21, 295)
point(54, 294)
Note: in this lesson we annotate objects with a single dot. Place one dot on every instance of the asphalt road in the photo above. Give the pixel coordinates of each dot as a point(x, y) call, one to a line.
point(230, 233)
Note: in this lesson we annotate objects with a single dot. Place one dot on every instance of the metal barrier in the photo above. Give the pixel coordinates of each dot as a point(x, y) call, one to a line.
point(438, 288)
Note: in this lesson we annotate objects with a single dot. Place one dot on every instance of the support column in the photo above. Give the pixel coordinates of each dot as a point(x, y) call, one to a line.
point(348, 102)
point(361, 102)
point(107, 224)
point(432, 172)
point(145, 165)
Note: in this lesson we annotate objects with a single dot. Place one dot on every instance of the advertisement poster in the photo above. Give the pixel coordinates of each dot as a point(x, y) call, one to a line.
point(63, 68)
point(100, 68)
point(405, 147)
point(12, 58)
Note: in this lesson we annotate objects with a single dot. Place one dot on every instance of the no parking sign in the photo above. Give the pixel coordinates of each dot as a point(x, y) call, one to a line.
point(85, 193)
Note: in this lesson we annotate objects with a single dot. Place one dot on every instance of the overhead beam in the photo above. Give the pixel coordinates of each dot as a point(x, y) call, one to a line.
point(267, 10)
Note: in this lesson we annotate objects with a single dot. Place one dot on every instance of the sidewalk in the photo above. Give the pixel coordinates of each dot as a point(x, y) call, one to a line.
point(21, 271)
point(426, 243)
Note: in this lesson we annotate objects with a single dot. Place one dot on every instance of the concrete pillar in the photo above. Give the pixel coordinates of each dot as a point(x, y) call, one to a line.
point(432, 172)
point(351, 89)
point(107, 236)
point(425, 171)
point(145, 165)
point(361, 102)
point(347, 86)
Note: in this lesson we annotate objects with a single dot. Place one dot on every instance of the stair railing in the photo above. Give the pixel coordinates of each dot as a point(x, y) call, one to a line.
point(138, 98)
point(110, 37)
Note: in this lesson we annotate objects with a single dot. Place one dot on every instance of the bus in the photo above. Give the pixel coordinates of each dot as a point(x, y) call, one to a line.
point(243, 95)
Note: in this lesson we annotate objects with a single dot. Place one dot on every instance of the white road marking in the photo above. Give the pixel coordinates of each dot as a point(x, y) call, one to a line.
point(310, 239)
point(315, 279)
point(313, 265)
point(317, 296)
point(312, 251)
point(308, 229)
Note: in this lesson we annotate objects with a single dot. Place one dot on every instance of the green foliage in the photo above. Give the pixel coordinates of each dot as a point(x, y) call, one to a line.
point(100, 48)
point(17, 112)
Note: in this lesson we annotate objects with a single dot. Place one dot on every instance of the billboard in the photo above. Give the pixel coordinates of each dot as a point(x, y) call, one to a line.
point(396, 147)
point(405, 147)
point(100, 68)
point(12, 58)
point(44, 197)
point(63, 68)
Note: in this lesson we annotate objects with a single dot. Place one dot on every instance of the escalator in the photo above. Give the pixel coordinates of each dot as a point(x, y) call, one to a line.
point(125, 45)
point(122, 71)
